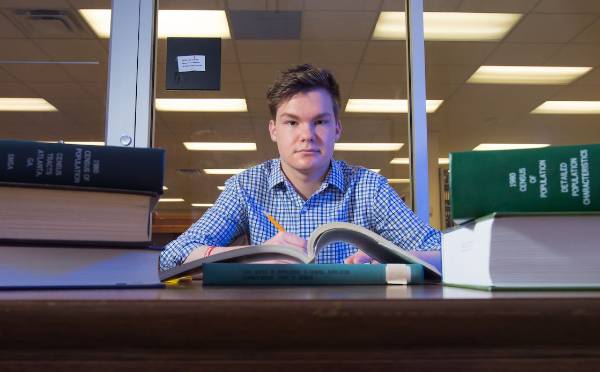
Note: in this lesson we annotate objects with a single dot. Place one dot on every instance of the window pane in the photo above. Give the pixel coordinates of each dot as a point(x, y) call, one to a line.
point(266, 38)
point(53, 71)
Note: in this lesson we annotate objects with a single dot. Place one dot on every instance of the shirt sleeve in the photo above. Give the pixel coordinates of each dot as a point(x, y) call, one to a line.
point(218, 226)
point(397, 223)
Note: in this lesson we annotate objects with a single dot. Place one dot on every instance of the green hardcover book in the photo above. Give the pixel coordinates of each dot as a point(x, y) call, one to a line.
point(549, 179)
point(311, 274)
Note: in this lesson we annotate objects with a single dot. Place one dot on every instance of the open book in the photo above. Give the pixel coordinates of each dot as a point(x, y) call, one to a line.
point(369, 242)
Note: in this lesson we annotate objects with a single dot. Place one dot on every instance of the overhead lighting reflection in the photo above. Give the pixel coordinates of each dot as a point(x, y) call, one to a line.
point(25, 104)
point(391, 106)
point(568, 107)
point(535, 75)
point(223, 171)
point(201, 104)
point(448, 26)
point(508, 146)
point(171, 23)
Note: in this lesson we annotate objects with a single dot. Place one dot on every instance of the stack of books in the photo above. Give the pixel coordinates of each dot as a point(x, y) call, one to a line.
point(529, 219)
point(77, 216)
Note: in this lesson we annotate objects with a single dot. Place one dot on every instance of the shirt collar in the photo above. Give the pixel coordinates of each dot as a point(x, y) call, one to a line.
point(335, 176)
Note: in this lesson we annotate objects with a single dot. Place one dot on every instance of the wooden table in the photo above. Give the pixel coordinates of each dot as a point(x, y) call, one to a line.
point(299, 329)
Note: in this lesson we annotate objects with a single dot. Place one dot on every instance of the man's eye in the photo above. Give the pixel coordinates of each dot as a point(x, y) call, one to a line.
point(291, 122)
point(321, 122)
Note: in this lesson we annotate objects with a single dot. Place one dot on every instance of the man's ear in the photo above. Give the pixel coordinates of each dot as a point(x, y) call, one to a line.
point(338, 129)
point(273, 130)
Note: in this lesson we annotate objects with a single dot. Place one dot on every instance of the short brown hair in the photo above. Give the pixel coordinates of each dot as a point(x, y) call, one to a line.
point(302, 78)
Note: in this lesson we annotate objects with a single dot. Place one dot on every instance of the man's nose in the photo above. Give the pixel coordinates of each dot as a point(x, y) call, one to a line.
point(307, 131)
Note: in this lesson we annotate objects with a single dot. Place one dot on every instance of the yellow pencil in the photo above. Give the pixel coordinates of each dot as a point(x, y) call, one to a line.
point(274, 222)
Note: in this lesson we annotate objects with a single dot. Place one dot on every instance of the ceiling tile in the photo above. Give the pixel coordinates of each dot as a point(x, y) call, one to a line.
point(549, 28)
point(385, 52)
point(590, 34)
point(504, 6)
point(38, 73)
point(60, 90)
point(568, 6)
point(440, 5)
point(261, 72)
point(522, 54)
point(8, 29)
point(381, 74)
point(88, 73)
point(457, 53)
point(342, 5)
point(73, 49)
point(6, 77)
point(20, 50)
point(378, 91)
point(265, 5)
point(17, 90)
point(449, 74)
point(336, 25)
point(324, 52)
point(578, 93)
point(274, 51)
point(577, 55)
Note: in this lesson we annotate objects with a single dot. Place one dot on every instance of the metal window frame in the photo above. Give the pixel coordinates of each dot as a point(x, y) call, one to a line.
point(130, 96)
point(417, 114)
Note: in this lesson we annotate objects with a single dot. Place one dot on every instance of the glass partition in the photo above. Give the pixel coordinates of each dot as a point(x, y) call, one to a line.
point(53, 70)
point(524, 74)
point(259, 39)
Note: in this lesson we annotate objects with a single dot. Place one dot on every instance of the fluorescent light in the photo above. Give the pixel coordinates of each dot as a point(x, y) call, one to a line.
point(220, 188)
point(220, 146)
point(398, 180)
point(165, 188)
point(508, 146)
point(170, 200)
point(88, 143)
point(98, 20)
point(171, 23)
point(387, 105)
point(405, 161)
point(447, 26)
point(568, 107)
point(193, 23)
point(402, 161)
point(368, 146)
point(223, 171)
point(25, 104)
point(526, 74)
point(375, 170)
point(202, 104)
point(204, 205)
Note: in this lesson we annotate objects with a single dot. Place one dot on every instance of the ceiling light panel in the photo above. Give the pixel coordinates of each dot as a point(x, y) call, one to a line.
point(223, 171)
point(368, 146)
point(448, 26)
point(171, 23)
point(201, 104)
point(171, 200)
point(391, 106)
point(220, 146)
point(508, 146)
point(25, 105)
point(568, 107)
point(527, 75)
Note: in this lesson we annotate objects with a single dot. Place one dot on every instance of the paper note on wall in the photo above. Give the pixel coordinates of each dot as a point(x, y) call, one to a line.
point(191, 63)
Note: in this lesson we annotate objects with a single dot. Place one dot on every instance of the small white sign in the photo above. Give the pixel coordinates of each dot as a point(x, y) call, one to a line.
point(191, 63)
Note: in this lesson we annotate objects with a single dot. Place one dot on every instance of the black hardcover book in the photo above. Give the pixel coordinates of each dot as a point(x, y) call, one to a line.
point(82, 165)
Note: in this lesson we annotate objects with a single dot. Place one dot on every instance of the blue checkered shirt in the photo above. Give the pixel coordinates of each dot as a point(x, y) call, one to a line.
point(349, 194)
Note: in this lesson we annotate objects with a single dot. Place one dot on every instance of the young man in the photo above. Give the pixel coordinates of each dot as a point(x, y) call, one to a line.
point(305, 187)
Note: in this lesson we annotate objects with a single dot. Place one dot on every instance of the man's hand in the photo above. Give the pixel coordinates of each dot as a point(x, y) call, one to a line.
point(289, 239)
point(359, 257)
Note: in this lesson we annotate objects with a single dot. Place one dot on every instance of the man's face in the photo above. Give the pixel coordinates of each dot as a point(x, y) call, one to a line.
point(305, 130)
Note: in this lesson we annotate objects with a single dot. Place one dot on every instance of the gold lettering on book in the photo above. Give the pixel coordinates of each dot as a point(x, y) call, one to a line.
point(585, 177)
point(522, 179)
point(543, 179)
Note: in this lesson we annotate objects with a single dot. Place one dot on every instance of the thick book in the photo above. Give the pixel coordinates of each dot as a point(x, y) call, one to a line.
point(369, 242)
point(523, 251)
point(56, 266)
point(30, 213)
point(82, 165)
point(308, 274)
point(550, 179)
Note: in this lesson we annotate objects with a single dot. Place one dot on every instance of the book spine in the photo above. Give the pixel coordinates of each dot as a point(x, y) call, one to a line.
point(310, 274)
point(550, 179)
point(113, 167)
